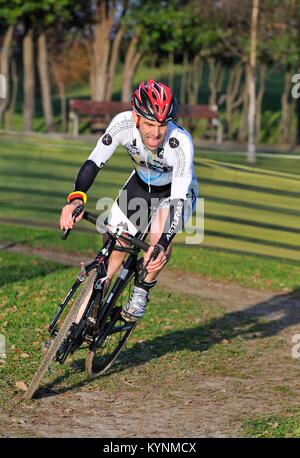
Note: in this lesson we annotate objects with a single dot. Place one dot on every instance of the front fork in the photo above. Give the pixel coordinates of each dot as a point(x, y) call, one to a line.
point(128, 269)
point(85, 270)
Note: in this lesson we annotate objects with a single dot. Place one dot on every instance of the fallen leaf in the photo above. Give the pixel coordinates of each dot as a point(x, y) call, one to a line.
point(25, 355)
point(20, 421)
point(21, 386)
point(225, 342)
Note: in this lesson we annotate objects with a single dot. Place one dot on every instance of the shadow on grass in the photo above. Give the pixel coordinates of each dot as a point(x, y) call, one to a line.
point(25, 268)
point(261, 320)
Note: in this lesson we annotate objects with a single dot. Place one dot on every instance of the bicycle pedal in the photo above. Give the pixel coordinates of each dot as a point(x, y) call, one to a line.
point(91, 321)
point(88, 338)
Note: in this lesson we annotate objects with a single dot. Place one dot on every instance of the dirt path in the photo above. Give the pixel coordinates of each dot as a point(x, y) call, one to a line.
point(197, 404)
point(175, 280)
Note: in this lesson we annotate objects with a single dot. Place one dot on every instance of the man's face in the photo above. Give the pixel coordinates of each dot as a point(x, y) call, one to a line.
point(152, 132)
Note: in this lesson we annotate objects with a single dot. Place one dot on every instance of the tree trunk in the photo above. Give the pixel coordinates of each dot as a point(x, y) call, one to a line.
point(44, 82)
point(251, 157)
point(260, 95)
point(58, 76)
point(29, 80)
point(63, 106)
point(234, 96)
point(171, 69)
point(215, 80)
point(14, 95)
point(194, 79)
point(113, 63)
point(243, 129)
point(132, 60)
point(183, 83)
point(101, 51)
point(285, 112)
point(4, 70)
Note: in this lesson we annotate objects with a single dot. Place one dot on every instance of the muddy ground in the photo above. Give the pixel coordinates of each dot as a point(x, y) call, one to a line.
point(198, 404)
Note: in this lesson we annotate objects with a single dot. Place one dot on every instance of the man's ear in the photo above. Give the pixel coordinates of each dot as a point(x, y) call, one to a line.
point(136, 119)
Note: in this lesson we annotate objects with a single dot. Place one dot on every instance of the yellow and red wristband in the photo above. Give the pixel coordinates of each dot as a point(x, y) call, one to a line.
point(77, 195)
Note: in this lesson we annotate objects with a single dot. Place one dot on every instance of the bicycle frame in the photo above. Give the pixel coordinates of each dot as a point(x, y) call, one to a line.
point(79, 324)
point(100, 263)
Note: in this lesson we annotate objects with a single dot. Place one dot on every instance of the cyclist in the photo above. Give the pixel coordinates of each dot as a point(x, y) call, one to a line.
point(163, 181)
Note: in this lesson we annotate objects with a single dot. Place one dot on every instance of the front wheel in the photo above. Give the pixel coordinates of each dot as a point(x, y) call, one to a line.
point(114, 335)
point(61, 335)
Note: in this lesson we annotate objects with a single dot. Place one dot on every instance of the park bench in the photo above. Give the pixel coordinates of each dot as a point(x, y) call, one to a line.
point(100, 114)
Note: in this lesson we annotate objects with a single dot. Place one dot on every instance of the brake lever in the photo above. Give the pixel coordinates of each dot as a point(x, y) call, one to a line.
point(76, 212)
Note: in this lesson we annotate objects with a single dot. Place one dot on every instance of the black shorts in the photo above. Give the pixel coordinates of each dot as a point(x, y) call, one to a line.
point(135, 205)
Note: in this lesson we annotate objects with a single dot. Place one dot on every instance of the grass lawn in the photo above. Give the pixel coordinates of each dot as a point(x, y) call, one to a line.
point(249, 270)
point(180, 336)
point(29, 299)
point(272, 426)
point(247, 210)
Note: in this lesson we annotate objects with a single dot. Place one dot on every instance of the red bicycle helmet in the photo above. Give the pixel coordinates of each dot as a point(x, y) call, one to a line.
point(154, 101)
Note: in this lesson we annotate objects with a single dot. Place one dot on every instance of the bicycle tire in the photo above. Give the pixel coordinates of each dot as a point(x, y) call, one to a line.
point(58, 339)
point(96, 368)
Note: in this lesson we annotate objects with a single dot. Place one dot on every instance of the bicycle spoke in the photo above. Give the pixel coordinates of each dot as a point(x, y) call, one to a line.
point(113, 338)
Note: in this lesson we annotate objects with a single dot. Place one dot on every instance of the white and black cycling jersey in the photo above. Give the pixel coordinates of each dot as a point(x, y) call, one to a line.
point(172, 163)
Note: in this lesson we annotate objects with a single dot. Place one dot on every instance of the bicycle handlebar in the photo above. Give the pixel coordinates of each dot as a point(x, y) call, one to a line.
point(139, 243)
point(93, 219)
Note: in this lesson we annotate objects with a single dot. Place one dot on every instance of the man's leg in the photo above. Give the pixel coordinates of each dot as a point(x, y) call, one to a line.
point(135, 308)
point(156, 230)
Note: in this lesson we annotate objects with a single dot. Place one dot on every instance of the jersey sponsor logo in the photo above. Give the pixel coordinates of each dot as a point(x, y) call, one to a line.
point(173, 142)
point(132, 149)
point(153, 165)
point(176, 220)
point(107, 140)
point(160, 153)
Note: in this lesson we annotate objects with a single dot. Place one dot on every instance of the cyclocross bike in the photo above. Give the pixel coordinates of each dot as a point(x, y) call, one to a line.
point(100, 327)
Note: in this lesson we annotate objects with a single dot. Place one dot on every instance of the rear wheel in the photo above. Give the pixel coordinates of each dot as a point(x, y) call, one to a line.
point(114, 335)
point(82, 297)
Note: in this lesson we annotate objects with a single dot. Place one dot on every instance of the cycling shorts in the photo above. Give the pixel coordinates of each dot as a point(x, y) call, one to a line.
point(135, 206)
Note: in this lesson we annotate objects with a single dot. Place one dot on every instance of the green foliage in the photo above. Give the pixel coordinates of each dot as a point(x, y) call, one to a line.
point(274, 426)
point(170, 27)
point(35, 12)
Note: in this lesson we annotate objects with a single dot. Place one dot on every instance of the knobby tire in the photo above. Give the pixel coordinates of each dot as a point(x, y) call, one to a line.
point(58, 339)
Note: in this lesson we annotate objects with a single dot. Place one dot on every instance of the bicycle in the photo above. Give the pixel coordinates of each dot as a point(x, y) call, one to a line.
point(100, 328)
